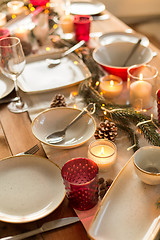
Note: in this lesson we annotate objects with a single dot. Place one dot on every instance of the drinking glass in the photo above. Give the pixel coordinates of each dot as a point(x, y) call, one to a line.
point(12, 63)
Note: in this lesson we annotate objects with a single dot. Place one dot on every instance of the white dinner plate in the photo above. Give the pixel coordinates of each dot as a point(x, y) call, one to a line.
point(38, 77)
point(128, 208)
point(31, 187)
point(86, 7)
point(108, 38)
point(6, 86)
point(56, 119)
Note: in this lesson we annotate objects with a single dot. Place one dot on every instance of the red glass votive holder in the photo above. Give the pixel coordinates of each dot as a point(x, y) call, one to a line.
point(4, 32)
point(82, 27)
point(80, 176)
point(37, 3)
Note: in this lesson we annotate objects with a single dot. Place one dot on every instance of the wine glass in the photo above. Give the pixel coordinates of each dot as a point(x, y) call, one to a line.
point(12, 63)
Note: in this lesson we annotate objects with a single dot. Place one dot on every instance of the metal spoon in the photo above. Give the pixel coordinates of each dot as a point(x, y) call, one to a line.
point(53, 62)
point(59, 136)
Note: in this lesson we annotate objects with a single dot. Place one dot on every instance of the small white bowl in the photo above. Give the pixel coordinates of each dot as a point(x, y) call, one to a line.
point(55, 119)
point(147, 164)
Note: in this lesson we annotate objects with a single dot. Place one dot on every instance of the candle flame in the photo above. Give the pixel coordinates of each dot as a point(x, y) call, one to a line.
point(111, 82)
point(102, 151)
point(140, 76)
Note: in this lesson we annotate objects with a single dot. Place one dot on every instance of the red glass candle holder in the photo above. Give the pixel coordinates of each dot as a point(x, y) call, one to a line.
point(4, 32)
point(80, 176)
point(82, 27)
point(37, 3)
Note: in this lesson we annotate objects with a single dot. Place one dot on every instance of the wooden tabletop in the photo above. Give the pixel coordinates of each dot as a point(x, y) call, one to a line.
point(16, 136)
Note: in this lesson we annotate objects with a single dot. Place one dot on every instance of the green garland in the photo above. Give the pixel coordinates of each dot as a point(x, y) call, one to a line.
point(124, 116)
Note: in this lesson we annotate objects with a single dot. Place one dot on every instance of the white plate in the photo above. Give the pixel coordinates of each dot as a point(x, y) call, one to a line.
point(86, 8)
point(56, 119)
point(108, 38)
point(38, 77)
point(31, 187)
point(127, 210)
point(6, 86)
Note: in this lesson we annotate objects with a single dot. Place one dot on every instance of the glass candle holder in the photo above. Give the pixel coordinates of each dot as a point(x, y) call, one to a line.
point(103, 152)
point(15, 7)
point(142, 86)
point(82, 27)
point(111, 86)
point(80, 176)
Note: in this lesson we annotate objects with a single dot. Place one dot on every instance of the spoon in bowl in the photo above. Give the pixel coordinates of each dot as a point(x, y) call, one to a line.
point(53, 62)
point(59, 136)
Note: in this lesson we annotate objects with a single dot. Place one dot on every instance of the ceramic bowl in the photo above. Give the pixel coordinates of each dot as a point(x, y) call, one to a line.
point(147, 164)
point(112, 57)
point(56, 119)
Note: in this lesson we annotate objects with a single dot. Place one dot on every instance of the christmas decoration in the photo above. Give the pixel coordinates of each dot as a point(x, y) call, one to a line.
point(106, 130)
point(58, 101)
point(103, 186)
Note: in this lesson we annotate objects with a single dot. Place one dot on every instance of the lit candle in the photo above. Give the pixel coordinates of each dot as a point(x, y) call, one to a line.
point(15, 7)
point(103, 152)
point(3, 19)
point(66, 22)
point(22, 33)
point(140, 93)
point(111, 86)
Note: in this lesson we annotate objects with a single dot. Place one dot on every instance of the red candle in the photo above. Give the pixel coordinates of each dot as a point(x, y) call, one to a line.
point(158, 104)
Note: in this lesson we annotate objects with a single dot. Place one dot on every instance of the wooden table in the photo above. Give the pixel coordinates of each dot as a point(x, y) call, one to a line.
point(16, 136)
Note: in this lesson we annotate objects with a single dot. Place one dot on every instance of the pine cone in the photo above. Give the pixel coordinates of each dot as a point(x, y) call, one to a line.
point(106, 130)
point(58, 101)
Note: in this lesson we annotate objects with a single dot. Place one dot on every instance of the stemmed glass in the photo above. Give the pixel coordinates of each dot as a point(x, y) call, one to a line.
point(12, 63)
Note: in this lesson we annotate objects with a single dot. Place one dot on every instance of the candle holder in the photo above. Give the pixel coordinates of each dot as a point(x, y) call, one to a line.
point(142, 86)
point(80, 176)
point(15, 7)
point(103, 152)
point(111, 86)
point(82, 27)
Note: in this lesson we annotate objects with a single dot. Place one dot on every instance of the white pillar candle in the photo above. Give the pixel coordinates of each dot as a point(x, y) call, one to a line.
point(15, 7)
point(111, 86)
point(3, 19)
point(22, 33)
point(103, 153)
point(140, 93)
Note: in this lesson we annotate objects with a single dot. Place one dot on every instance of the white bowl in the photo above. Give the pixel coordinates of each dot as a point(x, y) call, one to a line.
point(147, 164)
point(56, 119)
point(112, 57)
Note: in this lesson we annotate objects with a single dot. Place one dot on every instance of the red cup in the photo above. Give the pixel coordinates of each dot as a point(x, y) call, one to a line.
point(37, 3)
point(80, 176)
point(82, 27)
point(4, 32)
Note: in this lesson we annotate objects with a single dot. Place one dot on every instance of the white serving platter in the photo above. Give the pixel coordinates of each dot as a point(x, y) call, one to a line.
point(128, 208)
point(31, 187)
point(38, 77)
point(86, 7)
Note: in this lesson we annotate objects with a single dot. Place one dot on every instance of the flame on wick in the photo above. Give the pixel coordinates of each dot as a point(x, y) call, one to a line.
point(111, 82)
point(140, 76)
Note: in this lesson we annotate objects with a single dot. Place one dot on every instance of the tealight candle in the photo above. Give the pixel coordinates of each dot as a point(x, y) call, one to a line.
point(22, 33)
point(103, 152)
point(111, 86)
point(3, 19)
point(15, 7)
